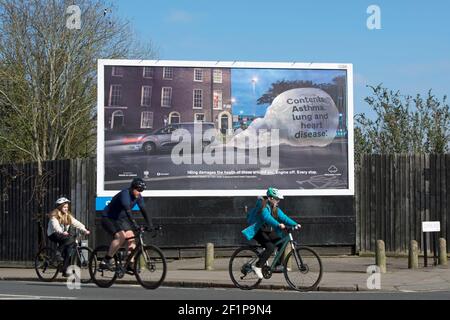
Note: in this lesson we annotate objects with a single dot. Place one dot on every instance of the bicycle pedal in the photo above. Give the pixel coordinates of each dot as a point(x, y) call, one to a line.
point(278, 269)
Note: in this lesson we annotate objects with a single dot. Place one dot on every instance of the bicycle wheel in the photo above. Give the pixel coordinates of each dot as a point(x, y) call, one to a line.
point(303, 269)
point(46, 265)
point(240, 268)
point(81, 259)
point(150, 267)
point(104, 278)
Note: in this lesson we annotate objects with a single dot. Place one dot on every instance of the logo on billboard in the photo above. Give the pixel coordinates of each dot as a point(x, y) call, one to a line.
point(332, 169)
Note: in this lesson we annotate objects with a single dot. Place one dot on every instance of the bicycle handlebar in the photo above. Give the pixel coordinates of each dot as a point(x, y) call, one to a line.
point(79, 234)
point(143, 228)
point(293, 228)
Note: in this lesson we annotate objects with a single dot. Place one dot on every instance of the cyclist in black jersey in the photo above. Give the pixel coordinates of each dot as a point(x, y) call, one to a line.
point(117, 219)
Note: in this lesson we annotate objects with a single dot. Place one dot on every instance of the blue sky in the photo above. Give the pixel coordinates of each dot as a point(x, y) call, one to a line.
point(246, 92)
point(411, 52)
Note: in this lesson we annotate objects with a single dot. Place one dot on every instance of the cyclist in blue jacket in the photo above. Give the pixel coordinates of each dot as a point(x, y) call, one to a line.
point(266, 222)
point(118, 222)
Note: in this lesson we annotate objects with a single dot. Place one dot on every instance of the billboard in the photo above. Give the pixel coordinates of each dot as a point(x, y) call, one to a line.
point(193, 128)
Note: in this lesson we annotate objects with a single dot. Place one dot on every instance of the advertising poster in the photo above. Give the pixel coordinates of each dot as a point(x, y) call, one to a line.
point(193, 128)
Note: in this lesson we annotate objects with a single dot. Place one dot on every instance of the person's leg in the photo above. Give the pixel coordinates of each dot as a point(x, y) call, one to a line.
point(58, 239)
point(131, 242)
point(126, 226)
point(113, 228)
point(67, 244)
point(264, 240)
point(274, 238)
point(118, 241)
point(69, 250)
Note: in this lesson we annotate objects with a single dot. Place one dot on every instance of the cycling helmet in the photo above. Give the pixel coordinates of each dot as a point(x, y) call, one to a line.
point(61, 201)
point(274, 193)
point(138, 184)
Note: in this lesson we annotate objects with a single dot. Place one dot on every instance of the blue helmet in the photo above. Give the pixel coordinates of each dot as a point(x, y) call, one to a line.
point(274, 193)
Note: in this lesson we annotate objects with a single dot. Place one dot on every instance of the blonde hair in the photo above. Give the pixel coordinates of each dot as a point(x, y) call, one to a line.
point(64, 219)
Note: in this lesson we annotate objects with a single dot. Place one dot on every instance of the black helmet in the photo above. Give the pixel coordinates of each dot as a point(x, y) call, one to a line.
point(138, 184)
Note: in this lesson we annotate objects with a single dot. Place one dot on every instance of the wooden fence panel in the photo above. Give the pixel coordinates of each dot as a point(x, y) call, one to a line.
point(396, 193)
point(18, 195)
point(393, 195)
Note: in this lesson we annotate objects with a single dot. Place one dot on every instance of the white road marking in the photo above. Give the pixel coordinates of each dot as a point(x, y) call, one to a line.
point(18, 297)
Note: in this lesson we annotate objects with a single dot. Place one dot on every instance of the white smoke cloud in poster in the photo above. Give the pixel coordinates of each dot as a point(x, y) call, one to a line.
point(304, 117)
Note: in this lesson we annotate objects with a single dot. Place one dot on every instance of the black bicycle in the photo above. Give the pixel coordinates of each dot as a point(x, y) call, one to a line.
point(146, 262)
point(302, 266)
point(47, 266)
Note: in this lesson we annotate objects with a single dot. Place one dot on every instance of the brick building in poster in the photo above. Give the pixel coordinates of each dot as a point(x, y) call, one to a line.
point(141, 99)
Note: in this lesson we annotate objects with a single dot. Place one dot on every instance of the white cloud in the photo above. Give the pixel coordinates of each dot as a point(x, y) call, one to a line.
point(180, 16)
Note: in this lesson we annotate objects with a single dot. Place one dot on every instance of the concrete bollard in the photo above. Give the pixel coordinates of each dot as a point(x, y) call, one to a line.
point(413, 260)
point(442, 252)
point(380, 256)
point(209, 256)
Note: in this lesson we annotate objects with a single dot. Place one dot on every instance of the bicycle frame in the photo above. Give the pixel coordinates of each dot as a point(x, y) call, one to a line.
point(78, 252)
point(286, 240)
point(132, 252)
point(139, 245)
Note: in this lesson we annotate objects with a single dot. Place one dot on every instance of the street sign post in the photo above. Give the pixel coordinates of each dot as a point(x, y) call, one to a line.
point(430, 227)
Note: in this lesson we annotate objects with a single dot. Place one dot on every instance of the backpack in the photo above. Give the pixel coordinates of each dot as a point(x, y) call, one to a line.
point(251, 214)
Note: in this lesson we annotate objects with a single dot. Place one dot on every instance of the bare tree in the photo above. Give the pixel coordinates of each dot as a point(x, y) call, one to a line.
point(48, 96)
point(48, 75)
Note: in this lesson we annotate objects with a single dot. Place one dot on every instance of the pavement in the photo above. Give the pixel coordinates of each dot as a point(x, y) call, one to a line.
point(341, 273)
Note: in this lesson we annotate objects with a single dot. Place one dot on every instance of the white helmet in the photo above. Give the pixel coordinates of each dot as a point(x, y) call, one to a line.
point(61, 201)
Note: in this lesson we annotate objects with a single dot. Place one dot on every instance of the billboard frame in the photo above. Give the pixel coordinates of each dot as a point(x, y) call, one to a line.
point(102, 63)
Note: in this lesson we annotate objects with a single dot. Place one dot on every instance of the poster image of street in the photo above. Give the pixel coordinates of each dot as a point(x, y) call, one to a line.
point(225, 129)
